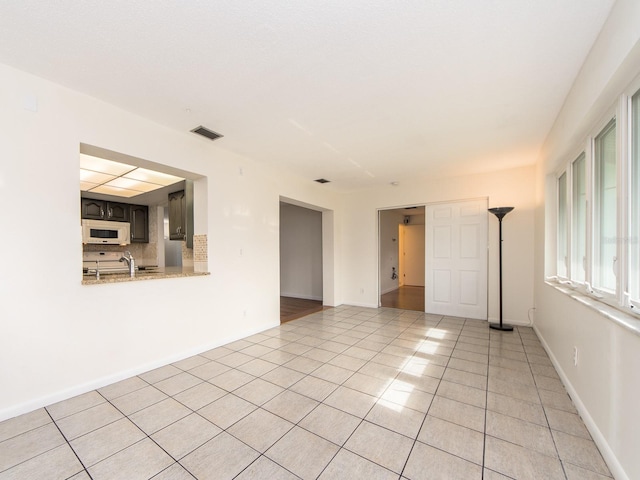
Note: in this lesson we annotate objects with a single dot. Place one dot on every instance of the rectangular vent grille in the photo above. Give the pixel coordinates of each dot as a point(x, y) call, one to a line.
point(322, 180)
point(205, 132)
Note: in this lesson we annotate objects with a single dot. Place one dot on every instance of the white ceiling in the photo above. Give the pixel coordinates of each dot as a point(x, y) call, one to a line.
point(359, 92)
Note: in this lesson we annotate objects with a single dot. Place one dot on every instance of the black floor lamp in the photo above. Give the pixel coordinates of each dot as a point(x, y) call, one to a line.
point(500, 212)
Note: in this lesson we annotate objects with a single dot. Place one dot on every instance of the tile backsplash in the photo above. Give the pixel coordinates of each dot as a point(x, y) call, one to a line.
point(200, 255)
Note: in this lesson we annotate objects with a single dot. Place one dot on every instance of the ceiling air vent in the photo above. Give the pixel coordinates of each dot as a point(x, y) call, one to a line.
point(205, 132)
point(322, 180)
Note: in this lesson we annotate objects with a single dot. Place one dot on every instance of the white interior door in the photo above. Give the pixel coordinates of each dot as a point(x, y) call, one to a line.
point(456, 259)
point(413, 255)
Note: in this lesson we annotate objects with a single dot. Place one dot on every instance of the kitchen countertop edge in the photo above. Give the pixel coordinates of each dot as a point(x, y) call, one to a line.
point(119, 278)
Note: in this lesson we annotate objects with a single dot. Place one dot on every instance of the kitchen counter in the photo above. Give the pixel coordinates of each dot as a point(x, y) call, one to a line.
point(157, 273)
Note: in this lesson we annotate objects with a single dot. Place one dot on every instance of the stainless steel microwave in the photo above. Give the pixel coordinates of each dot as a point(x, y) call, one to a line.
point(106, 233)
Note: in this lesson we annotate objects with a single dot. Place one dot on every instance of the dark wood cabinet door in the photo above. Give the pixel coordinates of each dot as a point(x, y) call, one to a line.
point(139, 221)
point(117, 212)
point(177, 215)
point(93, 209)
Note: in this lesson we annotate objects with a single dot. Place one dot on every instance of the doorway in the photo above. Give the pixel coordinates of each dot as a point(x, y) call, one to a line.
point(301, 261)
point(440, 266)
point(402, 258)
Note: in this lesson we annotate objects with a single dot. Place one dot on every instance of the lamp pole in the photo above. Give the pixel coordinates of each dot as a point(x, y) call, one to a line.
point(500, 212)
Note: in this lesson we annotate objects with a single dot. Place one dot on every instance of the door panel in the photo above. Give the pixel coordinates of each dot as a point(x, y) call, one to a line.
point(442, 241)
point(468, 290)
point(441, 286)
point(456, 259)
point(469, 241)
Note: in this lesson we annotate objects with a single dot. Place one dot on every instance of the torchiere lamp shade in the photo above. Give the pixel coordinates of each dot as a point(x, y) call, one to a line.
point(500, 212)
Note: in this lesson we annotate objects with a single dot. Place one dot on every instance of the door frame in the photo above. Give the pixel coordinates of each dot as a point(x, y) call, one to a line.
point(425, 205)
point(379, 250)
point(329, 295)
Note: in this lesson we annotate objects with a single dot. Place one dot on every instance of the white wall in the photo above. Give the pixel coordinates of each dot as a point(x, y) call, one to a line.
point(60, 338)
point(514, 187)
point(300, 252)
point(389, 241)
point(606, 384)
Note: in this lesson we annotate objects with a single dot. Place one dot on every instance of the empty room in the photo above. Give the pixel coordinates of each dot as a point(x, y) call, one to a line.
point(451, 188)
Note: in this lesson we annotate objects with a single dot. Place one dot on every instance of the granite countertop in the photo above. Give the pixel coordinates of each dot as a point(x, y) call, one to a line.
point(157, 273)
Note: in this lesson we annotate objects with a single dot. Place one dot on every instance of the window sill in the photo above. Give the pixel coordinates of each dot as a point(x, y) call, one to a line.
point(627, 321)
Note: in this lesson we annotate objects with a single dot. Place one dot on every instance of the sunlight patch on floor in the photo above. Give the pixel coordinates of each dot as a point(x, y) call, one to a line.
point(436, 333)
point(399, 393)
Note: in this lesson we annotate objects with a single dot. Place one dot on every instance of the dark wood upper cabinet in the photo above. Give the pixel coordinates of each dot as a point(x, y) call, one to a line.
point(177, 215)
point(117, 212)
point(181, 214)
point(103, 210)
point(93, 209)
point(139, 220)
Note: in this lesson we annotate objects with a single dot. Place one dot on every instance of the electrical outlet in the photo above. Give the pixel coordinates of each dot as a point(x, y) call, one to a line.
point(575, 356)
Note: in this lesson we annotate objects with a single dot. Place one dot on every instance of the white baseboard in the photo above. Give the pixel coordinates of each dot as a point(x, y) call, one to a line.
point(389, 290)
point(609, 456)
point(298, 295)
point(67, 393)
point(517, 323)
point(364, 305)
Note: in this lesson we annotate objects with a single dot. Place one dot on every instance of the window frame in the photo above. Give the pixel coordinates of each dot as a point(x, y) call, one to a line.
point(566, 275)
point(596, 242)
point(585, 262)
point(632, 196)
point(627, 232)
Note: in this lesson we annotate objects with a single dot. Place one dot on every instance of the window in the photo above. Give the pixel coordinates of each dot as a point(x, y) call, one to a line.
point(633, 238)
point(598, 211)
point(579, 219)
point(605, 210)
point(562, 226)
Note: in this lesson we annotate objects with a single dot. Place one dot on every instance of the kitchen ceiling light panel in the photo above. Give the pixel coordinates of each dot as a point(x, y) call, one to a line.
point(94, 177)
point(152, 176)
point(120, 192)
point(130, 184)
point(96, 164)
point(84, 186)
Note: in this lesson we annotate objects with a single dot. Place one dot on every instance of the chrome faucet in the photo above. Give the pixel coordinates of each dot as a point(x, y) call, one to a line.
point(128, 258)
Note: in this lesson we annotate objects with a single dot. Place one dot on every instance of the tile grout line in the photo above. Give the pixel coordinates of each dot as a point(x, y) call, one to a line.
point(544, 411)
point(146, 435)
point(486, 407)
point(362, 420)
point(415, 441)
point(341, 447)
point(86, 470)
point(297, 424)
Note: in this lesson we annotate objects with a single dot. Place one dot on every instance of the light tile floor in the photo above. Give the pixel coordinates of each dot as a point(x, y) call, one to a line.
point(345, 393)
